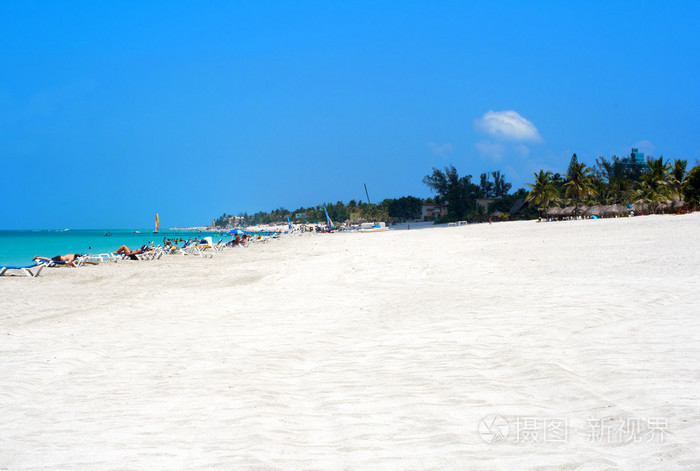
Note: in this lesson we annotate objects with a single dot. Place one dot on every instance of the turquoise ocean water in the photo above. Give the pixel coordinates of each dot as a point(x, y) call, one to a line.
point(19, 247)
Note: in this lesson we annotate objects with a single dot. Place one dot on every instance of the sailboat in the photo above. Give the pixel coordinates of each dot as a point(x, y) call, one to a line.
point(157, 224)
point(329, 222)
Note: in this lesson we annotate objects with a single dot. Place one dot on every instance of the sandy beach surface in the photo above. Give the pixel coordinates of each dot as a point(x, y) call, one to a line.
point(555, 346)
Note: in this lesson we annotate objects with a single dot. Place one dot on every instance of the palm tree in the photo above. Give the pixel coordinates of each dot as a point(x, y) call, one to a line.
point(678, 176)
point(580, 183)
point(655, 185)
point(544, 191)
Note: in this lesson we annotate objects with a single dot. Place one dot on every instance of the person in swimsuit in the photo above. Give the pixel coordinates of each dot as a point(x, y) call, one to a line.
point(67, 258)
point(132, 254)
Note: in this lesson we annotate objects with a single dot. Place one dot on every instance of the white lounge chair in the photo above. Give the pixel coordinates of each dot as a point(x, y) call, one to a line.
point(77, 262)
point(204, 251)
point(104, 257)
point(31, 271)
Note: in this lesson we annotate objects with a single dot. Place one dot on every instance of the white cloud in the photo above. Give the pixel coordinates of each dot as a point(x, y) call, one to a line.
point(440, 150)
point(507, 125)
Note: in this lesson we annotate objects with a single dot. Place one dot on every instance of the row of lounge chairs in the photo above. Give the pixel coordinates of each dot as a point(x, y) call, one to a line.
point(154, 253)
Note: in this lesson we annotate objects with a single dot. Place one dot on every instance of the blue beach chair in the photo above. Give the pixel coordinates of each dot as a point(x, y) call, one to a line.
point(27, 269)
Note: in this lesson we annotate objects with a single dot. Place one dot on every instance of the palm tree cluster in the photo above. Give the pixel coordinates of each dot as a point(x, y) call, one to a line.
point(654, 188)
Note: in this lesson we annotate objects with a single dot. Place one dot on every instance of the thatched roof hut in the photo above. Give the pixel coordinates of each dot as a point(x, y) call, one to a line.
point(665, 206)
point(498, 215)
point(678, 204)
point(517, 206)
point(593, 210)
point(640, 208)
point(568, 211)
point(613, 210)
point(553, 211)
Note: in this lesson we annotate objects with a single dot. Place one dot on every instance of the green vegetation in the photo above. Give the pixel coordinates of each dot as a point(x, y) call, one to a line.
point(459, 193)
point(544, 191)
point(401, 209)
point(579, 182)
point(691, 187)
point(654, 182)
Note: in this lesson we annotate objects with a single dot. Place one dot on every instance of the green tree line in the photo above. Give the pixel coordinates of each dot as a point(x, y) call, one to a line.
point(391, 209)
point(612, 180)
point(617, 181)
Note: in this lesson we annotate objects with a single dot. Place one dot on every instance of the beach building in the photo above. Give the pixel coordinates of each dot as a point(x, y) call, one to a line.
point(518, 206)
point(484, 203)
point(635, 162)
point(355, 215)
point(431, 211)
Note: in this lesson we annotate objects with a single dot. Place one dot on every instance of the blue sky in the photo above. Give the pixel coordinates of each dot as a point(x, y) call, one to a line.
point(111, 112)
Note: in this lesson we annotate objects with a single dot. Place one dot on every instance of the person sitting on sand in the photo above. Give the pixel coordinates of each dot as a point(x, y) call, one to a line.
point(67, 258)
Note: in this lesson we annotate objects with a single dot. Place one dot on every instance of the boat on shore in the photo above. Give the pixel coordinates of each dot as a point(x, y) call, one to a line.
point(369, 227)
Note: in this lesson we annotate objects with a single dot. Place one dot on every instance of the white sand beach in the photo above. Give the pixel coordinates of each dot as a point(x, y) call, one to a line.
point(578, 341)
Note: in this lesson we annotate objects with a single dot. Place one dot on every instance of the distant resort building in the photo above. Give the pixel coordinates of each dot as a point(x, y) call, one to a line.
point(430, 211)
point(635, 162)
point(484, 203)
point(355, 215)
